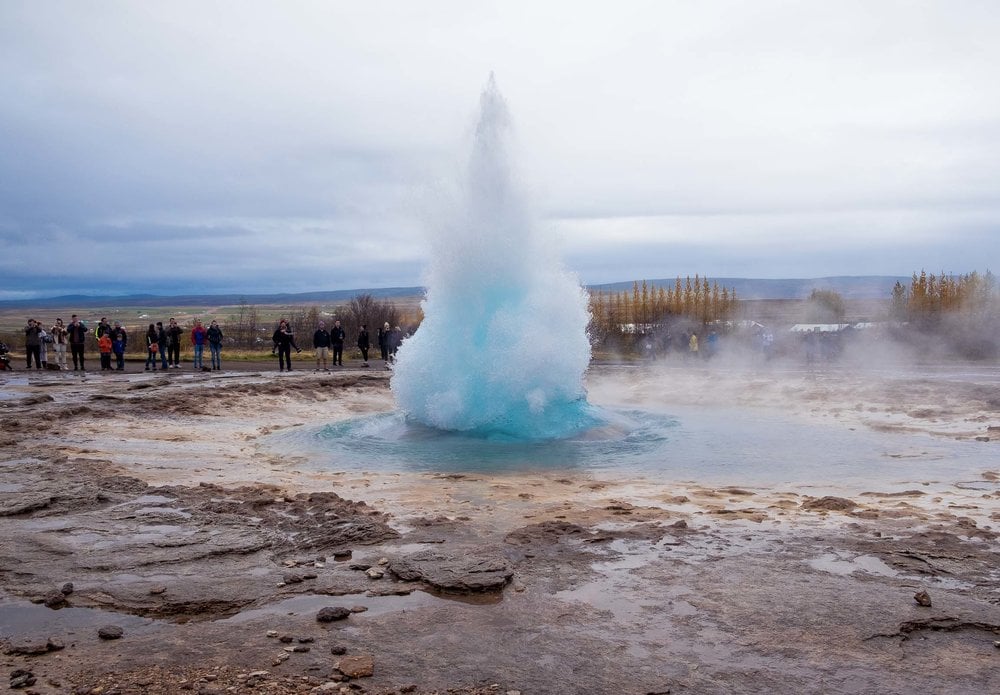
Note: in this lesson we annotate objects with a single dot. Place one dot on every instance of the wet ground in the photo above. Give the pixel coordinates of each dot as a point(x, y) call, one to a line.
point(204, 516)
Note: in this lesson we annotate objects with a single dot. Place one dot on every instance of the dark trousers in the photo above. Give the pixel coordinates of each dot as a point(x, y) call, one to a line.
point(364, 353)
point(35, 350)
point(77, 350)
point(384, 349)
point(105, 360)
point(285, 357)
point(174, 355)
point(338, 354)
point(120, 360)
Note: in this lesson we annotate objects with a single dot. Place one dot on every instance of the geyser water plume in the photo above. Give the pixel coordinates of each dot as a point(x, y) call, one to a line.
point(503, 346)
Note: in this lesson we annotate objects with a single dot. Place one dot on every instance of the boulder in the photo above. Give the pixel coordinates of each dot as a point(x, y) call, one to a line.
point(462, 572)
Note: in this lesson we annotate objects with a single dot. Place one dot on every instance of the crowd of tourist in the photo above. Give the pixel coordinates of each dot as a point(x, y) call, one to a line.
point(46, 348)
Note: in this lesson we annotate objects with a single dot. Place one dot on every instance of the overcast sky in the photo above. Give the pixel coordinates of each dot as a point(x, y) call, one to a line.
point(185, 147)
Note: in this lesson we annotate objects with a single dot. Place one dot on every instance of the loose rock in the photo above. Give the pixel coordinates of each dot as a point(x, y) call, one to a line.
point(110, 632)
point(27, 648)
point(21, 679)
point(830, 503)
point(922, 598)
point(331, 613)
point(360, 666)
point(55, 600)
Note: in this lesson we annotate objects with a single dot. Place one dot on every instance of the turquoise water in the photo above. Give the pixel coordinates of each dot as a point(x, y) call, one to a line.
point(391, 441)
point(710, 445)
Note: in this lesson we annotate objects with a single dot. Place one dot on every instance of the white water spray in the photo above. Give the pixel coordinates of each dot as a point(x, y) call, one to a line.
point(503, 346)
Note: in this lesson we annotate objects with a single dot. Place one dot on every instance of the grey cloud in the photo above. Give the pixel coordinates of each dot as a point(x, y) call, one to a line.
point(186, 146)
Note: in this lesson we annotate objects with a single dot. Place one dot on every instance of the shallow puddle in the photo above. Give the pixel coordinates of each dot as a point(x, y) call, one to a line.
point(26, 620)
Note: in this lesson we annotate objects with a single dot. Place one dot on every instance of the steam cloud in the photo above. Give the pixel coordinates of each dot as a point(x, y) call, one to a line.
point(503, 347)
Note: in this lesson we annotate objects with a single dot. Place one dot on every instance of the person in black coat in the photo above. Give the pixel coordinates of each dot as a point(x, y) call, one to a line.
point(383, 341)
point(152, 346)
point(33, 342)
point(321, 345)
point(363, 343)
point(161, 340)
point(337, 337)
point(284, 341)
point(75, 333)
point(174, 343)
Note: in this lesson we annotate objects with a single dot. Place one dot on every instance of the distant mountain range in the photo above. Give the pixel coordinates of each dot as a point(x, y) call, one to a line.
point(849, 287)
point(155, 300)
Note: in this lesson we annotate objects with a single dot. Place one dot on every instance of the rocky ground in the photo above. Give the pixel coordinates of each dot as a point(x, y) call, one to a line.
point(152, 541)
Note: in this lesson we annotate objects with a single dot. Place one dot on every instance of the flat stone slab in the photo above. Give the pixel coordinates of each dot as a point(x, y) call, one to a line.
point(459, 572)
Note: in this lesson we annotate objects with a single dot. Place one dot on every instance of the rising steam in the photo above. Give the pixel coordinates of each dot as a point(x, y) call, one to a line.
point(503, 346)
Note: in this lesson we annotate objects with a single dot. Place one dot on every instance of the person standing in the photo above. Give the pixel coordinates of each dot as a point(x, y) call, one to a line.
point(214, 335)
point(363, 344)
point(119, 341)
point(104, 346)
point(321, 345)
point(33, 343)
point(337, 337)
point(103, 327)
point(44, 339)
point(395, 338)
point(152, 346)
point(284, 341)
point(76, 332)
point(161, 340)
point(58, 333)
point(693, 344)
point(198, 341)
point(383, 341)
point(174, 343)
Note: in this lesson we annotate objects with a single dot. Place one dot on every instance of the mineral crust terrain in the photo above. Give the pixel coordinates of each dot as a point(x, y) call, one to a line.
point(156, 536)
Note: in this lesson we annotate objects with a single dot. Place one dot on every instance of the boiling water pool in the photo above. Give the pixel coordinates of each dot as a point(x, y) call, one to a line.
point(709, 445)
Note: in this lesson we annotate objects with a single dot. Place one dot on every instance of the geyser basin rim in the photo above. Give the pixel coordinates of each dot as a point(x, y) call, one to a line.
point(711, 445)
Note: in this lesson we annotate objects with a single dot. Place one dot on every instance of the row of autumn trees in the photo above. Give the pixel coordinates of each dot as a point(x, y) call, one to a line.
point(929, 298)
point(247, 330)
point(949, 314)
point(648, 307)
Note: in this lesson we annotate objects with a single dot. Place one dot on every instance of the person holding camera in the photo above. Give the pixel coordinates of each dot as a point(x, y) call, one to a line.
point(284, 341)
point(33, 343)
point(58, 334)
point(76, 331)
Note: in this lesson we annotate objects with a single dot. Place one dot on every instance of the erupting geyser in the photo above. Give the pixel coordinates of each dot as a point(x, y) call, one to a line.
point(503, 346)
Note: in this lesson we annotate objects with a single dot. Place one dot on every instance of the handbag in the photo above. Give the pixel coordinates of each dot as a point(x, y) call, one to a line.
point(154, 347)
